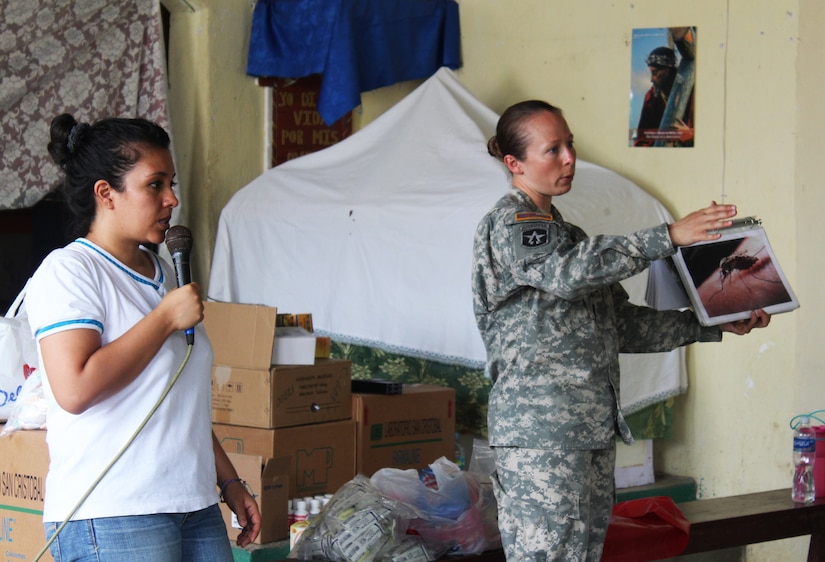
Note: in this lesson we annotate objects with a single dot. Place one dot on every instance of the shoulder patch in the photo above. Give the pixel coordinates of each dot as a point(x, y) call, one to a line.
point(536, 236)
point(530, 216)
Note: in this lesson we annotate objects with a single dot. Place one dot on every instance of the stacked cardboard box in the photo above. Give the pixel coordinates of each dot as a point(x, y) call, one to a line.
point(409, 430)
point(301, 410)
point(267, 479)
point(24, 461)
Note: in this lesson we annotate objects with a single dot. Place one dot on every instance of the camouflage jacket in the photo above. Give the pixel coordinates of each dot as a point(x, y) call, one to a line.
point(554, 319)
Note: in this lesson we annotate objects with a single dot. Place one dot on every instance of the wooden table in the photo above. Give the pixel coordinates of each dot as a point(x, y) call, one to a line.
point(732, 521)
point(735, 521)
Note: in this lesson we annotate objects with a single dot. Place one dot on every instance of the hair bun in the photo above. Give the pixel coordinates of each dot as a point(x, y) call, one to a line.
point(75, 136)
point(493, 148)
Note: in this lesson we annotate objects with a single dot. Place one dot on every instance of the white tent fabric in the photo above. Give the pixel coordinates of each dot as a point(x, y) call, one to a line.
point(374, 235)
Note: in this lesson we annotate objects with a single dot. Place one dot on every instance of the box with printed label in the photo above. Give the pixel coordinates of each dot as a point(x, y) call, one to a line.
point(407, 430)
point(24, 461)
point(323, 454)
point(268, 481)
point(283, 396)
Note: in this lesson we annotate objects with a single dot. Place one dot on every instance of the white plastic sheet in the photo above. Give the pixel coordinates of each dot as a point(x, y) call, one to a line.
point(374, 235)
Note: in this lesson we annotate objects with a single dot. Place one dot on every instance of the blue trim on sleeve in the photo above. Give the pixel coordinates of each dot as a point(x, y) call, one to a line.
point(81, 321)
point(121, 267)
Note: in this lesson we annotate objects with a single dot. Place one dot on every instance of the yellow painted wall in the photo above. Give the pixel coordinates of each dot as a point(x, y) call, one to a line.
point(217, 114)
point(760, 123)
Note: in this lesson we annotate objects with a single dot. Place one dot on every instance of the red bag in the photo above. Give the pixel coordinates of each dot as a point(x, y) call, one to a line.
point(645, 529)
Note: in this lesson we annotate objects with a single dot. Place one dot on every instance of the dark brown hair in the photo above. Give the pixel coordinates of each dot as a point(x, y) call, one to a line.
point(105, 150)
point(510, 137)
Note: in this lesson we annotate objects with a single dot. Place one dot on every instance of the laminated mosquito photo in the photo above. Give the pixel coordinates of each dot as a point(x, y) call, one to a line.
point(728, 278)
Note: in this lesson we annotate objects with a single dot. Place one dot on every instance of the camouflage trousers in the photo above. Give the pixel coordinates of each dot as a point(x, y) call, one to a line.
point(553, 504)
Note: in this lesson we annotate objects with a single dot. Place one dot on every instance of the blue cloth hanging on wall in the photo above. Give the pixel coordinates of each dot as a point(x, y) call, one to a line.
point(357, 45)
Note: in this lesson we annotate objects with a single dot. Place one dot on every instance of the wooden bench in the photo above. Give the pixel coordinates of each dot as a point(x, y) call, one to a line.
point(735, 521)
point(732, 521)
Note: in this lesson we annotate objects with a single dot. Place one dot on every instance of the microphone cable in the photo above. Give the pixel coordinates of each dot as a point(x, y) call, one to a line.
point(119, 454)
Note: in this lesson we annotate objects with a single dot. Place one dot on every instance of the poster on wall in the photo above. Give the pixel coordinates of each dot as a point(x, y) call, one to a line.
point(662, 80)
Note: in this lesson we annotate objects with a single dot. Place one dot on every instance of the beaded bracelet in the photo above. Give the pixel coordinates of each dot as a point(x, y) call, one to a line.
point(226, 483)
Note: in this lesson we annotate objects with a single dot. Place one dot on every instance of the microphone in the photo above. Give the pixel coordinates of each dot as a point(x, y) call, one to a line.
point(179, 244)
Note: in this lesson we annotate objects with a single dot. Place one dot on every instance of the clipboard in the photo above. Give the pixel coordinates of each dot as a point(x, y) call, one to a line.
point(726, 279)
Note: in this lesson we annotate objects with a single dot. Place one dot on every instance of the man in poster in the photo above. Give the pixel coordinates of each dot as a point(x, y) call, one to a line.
point(667, 112)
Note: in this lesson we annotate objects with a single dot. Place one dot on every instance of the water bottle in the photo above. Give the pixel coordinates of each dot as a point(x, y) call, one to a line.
point(804, 453)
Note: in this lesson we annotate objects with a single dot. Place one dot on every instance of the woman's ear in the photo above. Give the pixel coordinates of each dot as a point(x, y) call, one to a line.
point(512, 164)
point(103, 194)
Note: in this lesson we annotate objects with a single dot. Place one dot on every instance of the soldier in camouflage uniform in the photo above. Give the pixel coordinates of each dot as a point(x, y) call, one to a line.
point(554, 319)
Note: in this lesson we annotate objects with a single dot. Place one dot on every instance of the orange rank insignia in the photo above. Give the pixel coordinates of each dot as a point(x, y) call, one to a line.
point(530, 216)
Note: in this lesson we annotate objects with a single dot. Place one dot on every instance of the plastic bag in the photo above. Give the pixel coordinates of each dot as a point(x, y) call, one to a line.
point(448, 501)
point(29, 411)
point(645, 529)
point(359, 524)
point(483, 460)
point(18, 354)
point(460, 512)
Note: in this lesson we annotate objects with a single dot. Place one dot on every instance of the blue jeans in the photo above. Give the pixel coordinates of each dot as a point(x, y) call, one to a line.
point(165, 537)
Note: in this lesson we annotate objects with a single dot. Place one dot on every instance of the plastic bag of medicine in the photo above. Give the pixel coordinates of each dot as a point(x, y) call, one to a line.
point(460, 511)
point(358, 524)
point(448, 500)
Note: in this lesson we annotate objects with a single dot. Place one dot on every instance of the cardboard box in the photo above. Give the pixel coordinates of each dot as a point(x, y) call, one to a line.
point(323, 347)
point(242, 335)
point(283, 396)
point(293, 346)
point(323, 455)
point(24, 461)
point(407, 430)
point(634, 464)
point(268, 481)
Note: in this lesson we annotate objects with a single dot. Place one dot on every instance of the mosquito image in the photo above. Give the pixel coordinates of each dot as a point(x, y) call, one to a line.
point(735, 275)
point(741, 263)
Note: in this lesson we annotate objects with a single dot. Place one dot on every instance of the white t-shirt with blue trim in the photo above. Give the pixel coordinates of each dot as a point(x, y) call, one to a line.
point(170, 467)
